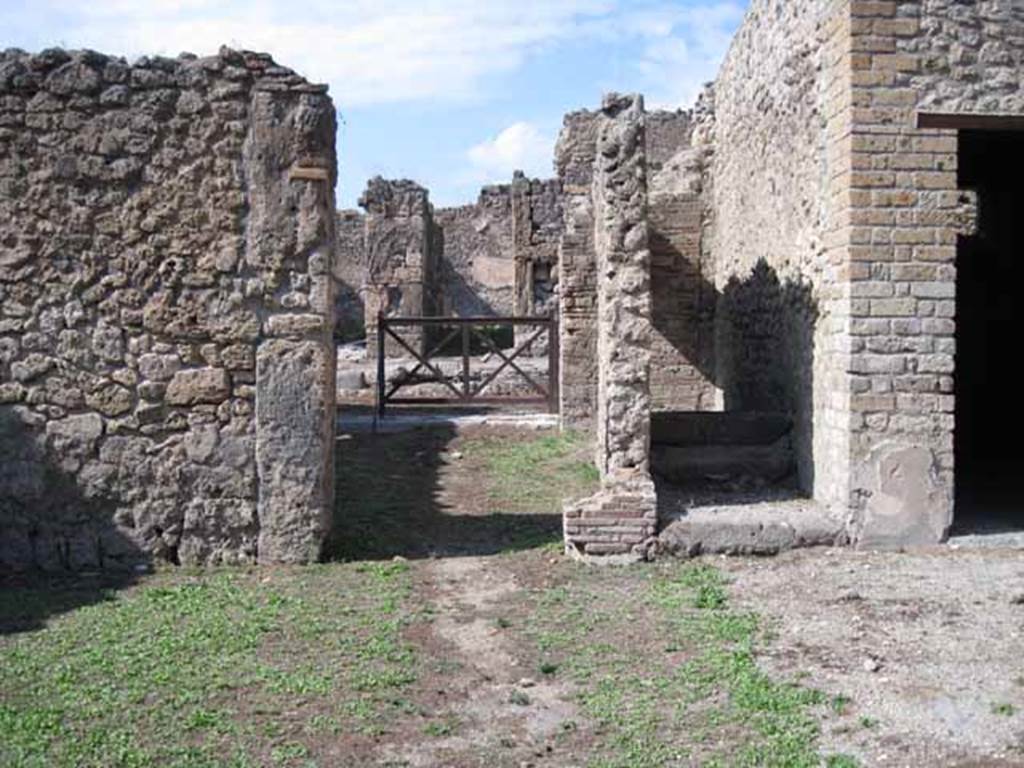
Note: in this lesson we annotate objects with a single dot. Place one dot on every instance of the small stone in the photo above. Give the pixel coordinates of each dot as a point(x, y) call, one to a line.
point(872, 665)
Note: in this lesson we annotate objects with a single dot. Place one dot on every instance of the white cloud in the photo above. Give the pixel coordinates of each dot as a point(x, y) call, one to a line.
point(520, 147)
point(675, 64)
point(370, 51)
point(376, 51)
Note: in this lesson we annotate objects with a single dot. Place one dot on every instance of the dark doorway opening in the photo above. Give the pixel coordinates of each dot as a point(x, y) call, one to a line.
point(989, 437)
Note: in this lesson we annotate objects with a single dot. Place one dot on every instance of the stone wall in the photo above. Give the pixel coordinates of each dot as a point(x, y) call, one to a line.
point(934, 56)
point(537, 222)
point(350, 269)
point(477, 256)
point(401, 260)
point(775, 240)
point(495, 257)
point(668, 134)
point(683, 308)
point(621, 519)
point(166, 370)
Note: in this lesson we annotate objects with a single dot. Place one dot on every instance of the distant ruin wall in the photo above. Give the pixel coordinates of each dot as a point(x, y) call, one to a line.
point(166, 370)
point(497, 257)
point(401, 261)
point(350, 269)
point(477, 262)
point(775, 186)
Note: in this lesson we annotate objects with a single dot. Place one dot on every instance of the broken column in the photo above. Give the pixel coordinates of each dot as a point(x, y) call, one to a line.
point(398, 253)
point(620, 520)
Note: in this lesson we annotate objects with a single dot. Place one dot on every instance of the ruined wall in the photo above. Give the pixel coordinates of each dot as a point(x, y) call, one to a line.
point(350, 270)
point(166, 371)
point(575, 155)
point(667, 134)
point(621, 519)
point(776, 198)
point(477, 255)
point(934, 56)
point(498, 256)
point(537, 216)
point(682, 281)
point(401, 260)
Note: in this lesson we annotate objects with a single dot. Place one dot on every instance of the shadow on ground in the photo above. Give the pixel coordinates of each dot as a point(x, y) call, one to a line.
point(28, 601)
point(437, 493)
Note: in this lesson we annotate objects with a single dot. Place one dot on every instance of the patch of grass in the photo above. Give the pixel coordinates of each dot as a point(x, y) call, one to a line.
point(685, 687)
point(1004, 709)
point(229, 668)
point(441, 728)
point(536, 475)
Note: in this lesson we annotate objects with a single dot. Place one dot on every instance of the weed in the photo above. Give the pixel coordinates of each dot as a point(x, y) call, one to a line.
point(441, 728)
point(519, 698)
point(840, 704)
point(840, 761)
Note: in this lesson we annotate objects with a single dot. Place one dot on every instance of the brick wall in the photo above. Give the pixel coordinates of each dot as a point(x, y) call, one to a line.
point(577, 310)
point(931, 56)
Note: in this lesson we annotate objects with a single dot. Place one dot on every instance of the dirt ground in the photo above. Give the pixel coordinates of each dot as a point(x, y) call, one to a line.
point(926, 647)
point(449, 630)
point(921, 654)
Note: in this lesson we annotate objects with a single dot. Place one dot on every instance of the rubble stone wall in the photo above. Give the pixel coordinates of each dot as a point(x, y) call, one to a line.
point(776, 197)
point(477, 258)
point(496, 257)
point(166, 304)
point(621, 519)
point(933, 56)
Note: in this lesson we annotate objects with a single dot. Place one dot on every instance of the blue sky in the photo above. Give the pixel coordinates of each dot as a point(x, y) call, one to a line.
point(451, 93)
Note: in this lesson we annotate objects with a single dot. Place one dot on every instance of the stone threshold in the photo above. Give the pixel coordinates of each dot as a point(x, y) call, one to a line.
point(696, 522)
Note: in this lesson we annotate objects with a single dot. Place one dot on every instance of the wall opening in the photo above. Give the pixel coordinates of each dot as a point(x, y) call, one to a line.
point(988, 444)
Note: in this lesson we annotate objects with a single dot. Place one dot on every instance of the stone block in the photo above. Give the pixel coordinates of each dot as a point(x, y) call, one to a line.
point(294, 448)
point(198, 385)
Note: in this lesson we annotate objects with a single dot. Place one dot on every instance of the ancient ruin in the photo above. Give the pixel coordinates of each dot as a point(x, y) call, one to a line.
point(165, 275)
point(779, 313)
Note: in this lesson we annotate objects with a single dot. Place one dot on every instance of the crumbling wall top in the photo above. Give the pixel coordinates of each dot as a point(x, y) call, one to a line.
point(394, 198)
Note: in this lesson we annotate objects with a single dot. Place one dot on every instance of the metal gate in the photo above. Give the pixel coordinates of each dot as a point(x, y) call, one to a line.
point(460, 383)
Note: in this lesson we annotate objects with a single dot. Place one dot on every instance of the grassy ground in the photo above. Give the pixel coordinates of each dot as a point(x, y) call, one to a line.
point(352, 663)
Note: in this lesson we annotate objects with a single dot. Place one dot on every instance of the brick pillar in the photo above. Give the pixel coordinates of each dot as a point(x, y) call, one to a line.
point(620, 520)
point(577, 297)
point(906, 215)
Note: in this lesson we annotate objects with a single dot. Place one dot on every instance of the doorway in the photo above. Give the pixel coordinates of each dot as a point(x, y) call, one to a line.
point(989, 436)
